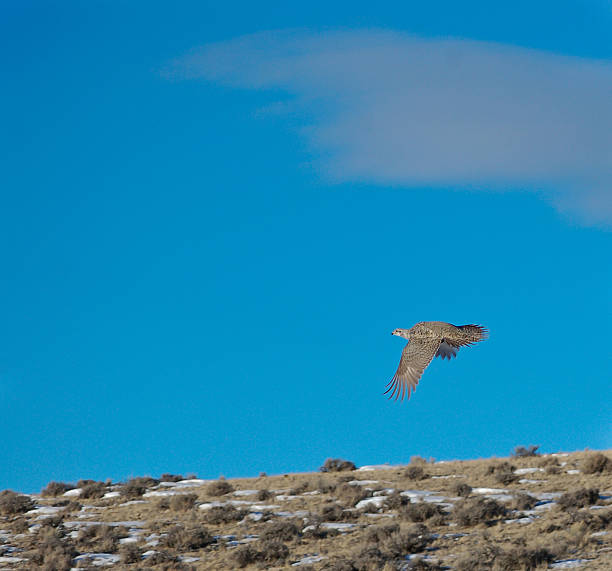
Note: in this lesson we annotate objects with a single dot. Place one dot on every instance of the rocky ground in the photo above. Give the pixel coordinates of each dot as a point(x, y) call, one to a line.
point(524, 512)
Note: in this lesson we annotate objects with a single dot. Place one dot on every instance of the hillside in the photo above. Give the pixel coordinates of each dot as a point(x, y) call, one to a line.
point(523, 512)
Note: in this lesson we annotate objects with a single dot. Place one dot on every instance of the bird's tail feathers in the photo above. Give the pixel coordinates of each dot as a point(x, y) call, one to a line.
point(476, 332)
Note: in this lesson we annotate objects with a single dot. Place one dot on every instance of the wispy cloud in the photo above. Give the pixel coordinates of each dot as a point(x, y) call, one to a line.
point(394, 109)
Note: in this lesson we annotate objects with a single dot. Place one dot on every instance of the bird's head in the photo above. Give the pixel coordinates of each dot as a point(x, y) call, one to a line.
point(401, 333)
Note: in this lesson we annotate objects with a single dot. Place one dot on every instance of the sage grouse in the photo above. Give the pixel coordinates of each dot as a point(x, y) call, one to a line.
point(426, 340)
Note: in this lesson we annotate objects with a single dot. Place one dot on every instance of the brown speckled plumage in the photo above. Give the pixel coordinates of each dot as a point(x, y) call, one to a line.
point(429, 339)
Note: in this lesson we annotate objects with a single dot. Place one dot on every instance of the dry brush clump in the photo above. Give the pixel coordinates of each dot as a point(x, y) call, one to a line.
point(334, 512)
point(461, 489)
point(475, 510)
point(12, 503)
point(136, 487)
point(183, 502)
point(54, 489)
point(171, 478)
point(267, 552)
point(349, 494)
point(337, 465)
point(522, 452)
point(100, 538)
point(187, 538)
point(491, 557)
point(423, 511)
point(415, 472)
point(54, 551)
point(223, 514)
point(522, 501)
point(91, 490)
point(502, 472)
point(597, 463)
point(130, 553)
point(219, 488)
point(280, 531)
point(579, 498)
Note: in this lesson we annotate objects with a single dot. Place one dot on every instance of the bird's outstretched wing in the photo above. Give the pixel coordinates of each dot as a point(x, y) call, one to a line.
point(417, 354)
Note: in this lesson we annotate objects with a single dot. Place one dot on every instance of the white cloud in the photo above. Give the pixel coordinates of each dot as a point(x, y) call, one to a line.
point(390, 108)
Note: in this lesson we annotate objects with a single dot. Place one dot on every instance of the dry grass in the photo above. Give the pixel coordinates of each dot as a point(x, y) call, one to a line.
point(287, 517)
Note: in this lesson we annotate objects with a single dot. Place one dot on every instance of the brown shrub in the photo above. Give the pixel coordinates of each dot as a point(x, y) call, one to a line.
point(522, 452)
point(522, 501)
point(579, 498)
point(337, 465)
point(422, 511)
point(380, 533)
point(395, 500)
point(299, 489)
point(18, 525)
point(223, 514)
point(475, 510)
point(130, 553)
point(503, 472)
point(136, 487)
point(219, 488)
point(317, 532)
point(12, 503)
point(461, 489)
point(187, 538)
point(53, 552)
point(419, 564)
point(349, 495)
point(415, 472)
point(183, 502)
point(491, 557)
point(594, 520)
point(544, 461)
point(406, 541)
point(100, 538)
point(334, 512)
point(325, 486)
point(263, 495)
point(339, 564)
point(279, 531)
point(55, 489)
point(72, 506)
point(269, 552)
point(596, 464)
point(92, 490)
point(273, 551)
point(244, 555)
point(165, 561)
point(368, 558)
point(170, 478)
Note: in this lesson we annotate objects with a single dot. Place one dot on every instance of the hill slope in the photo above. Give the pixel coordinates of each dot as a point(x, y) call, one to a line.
point(551, 511)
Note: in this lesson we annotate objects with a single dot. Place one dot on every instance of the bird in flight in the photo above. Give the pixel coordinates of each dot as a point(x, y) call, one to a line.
point(426, 340)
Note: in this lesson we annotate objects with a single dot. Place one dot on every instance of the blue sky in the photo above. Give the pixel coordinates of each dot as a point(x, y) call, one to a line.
point(213, 216)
